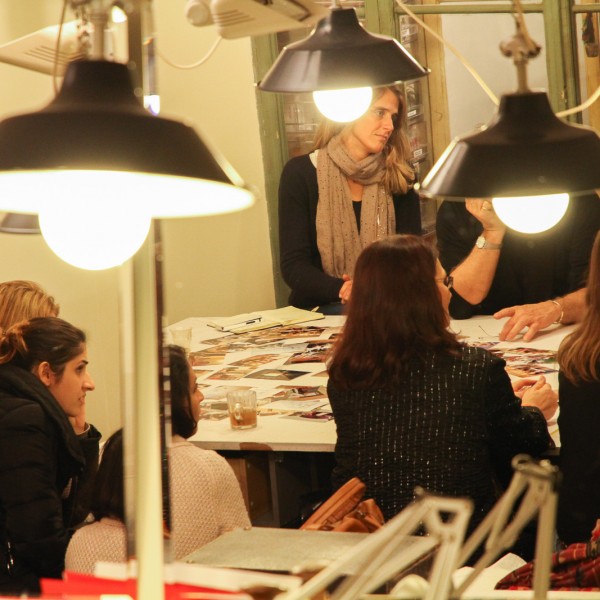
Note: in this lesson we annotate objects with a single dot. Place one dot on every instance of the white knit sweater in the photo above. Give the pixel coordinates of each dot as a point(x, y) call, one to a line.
point(206, 501)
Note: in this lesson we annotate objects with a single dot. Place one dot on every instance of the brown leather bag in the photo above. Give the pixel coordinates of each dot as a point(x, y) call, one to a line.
point(345, 510)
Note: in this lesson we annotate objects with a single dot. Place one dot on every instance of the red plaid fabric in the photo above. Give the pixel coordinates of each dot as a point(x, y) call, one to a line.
point(577, 567)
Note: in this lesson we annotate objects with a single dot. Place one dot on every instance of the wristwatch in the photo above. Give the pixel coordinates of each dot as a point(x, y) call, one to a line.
point(483, 244)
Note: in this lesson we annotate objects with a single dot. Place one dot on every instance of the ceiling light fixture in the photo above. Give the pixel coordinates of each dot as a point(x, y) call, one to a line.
point(340, 54)
point(524, 152)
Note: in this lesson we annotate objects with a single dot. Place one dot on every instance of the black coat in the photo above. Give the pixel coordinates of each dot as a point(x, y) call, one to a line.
point(41, 466)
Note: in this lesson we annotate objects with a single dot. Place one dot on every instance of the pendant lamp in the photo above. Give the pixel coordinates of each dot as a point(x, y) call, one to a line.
point(524, 150)
point(338, 55)
point(525, 159)
point(97, 167)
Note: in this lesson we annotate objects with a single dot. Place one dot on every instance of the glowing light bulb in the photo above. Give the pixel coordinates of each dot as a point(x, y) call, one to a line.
point(343, 105)
point(94, 235)
point(531, 214)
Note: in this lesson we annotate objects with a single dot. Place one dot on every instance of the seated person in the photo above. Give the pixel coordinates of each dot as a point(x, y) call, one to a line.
point(23, 300)
point(414, 406)
point(356, 187)
point(206, 500)
point(494, 268)
point(43, 381)
point(579, 387)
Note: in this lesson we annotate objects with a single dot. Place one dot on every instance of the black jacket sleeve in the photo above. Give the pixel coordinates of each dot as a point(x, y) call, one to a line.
point(456, 232)
point(90, 446)
point(513, 429)
point(33, 507)
point(345, 447)
point(583, 232)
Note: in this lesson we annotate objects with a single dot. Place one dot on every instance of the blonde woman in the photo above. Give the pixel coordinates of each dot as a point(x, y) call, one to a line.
point(354, 188)
point(23, 300)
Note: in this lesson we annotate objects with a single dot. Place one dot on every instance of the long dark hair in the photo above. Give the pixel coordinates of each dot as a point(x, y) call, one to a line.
point(183, 421)
point(579, 352)
point(395, 315)
point(43, 339)
point(108, 496)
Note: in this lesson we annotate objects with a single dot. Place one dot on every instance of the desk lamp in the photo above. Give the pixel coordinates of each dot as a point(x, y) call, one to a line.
point(95, 151)
point(525, 158)
point(387, 552)
point(339, 56)
point(97, 167)
point(534, 489)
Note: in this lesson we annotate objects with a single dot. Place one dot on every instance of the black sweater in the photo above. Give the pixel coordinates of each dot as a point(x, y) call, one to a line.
point(42, 468)
point(579, 493)
point(452, 427)
point(299, 255)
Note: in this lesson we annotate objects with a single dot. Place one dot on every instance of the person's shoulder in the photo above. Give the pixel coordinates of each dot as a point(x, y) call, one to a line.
point(299, 164)
point(16, 408)
point(188, 451)
point(453, 210)
point(476, 356)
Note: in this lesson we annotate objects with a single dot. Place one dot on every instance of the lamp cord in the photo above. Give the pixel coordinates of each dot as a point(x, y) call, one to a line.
point(453, 49)
point(519, 10)
point(195, 64)
point(57, 48)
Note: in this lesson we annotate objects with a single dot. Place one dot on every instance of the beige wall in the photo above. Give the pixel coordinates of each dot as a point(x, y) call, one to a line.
point(213, 266)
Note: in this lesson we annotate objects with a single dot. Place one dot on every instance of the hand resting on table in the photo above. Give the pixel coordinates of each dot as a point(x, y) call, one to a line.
point(540, 395)
point(534, 316)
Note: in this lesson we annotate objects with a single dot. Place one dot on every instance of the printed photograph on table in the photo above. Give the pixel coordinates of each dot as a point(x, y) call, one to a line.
point(317, 416)
point(286, 333)
point(254, 362)
point(204, 358)
point(525, 362)
point(290, 392)
point(219, 392)
point(484, 345)
point(314, 352)
point(276, 374)
point(230, 373)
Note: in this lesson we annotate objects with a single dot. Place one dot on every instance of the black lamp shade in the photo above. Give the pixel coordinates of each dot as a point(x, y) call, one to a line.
point(96, 140)
point(96, 122)
point(340, 53)
point(524, 151)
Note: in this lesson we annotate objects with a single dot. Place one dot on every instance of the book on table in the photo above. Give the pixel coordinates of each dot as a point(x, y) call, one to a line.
point(264, 319)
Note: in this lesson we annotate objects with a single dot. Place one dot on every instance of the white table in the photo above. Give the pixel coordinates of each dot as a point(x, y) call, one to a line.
point(292, 445)
point(274, 432)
